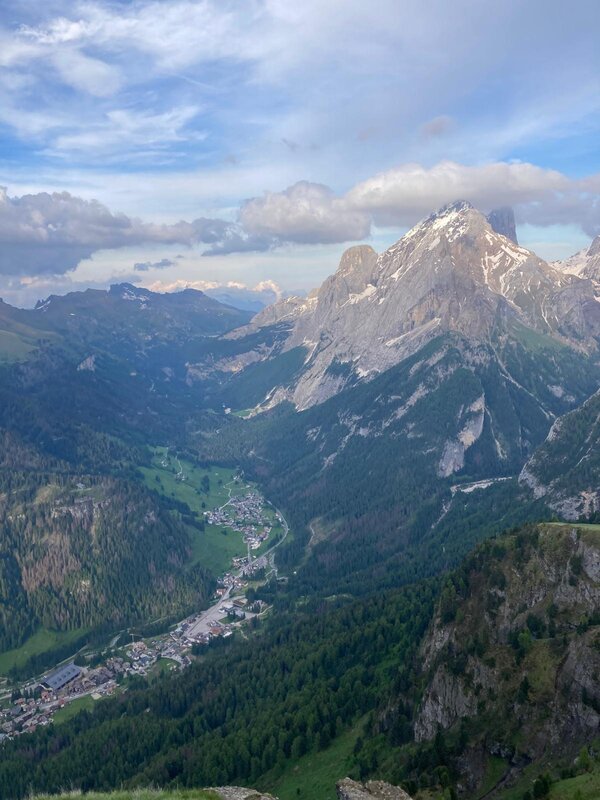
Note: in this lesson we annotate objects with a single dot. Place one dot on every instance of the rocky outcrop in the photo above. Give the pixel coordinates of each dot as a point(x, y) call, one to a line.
point(584, 264)
point(565, 470)
point(502, 221)
point(515, 643)
point(372, 790)
point(239, 793)
point(346, 789)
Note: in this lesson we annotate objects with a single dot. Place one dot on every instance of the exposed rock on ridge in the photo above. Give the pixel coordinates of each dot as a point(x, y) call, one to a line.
point(517, 646)
point(502, 221)
point(452, 272)
point(584, 264)
point(346, 789)
point(565, 470)
point(372, 790)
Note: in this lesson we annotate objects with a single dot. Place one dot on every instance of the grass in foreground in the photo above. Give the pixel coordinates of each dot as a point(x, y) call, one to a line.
point(314, 775)
point(137, 794)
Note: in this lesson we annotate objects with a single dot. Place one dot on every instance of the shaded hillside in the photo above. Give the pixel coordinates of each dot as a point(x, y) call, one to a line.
point(492, 688)
point(83, 551)
point(374, 476)
point(509, 666)
point(565, 470)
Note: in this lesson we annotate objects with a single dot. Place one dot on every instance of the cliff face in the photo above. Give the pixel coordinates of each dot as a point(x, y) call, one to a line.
point(565, 470)
point(513, 656)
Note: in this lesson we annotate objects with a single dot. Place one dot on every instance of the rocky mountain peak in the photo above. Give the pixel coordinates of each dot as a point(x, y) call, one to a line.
point(356, 259)
point(502, 221)
point(594, 249)
point(452, 272)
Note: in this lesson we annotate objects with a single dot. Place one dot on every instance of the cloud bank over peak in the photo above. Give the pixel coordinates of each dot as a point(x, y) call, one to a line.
point(305, 213)
point(52, 233)
point(401, 196)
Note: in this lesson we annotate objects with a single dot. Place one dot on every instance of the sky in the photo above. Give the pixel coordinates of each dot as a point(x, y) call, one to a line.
point(205, 142)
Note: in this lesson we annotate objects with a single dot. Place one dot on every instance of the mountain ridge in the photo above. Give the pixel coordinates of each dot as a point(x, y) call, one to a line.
point(451, 272)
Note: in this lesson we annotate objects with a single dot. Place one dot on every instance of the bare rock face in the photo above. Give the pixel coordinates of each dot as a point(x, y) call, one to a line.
point(561, 571)
point(564, 469)
point(502, 221)
point(352, 790)
point(584, 264)
point(457, 271)
point(453, 272)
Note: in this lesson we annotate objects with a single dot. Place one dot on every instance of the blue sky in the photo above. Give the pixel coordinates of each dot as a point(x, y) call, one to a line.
point(272, 134)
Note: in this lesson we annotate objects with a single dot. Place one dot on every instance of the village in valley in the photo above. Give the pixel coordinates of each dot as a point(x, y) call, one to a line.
point(237, 510)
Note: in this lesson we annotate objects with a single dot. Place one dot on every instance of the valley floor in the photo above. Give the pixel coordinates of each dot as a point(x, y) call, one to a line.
point(239, 521)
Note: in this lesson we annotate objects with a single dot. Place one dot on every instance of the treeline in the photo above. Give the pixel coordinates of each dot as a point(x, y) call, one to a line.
point(242, 711)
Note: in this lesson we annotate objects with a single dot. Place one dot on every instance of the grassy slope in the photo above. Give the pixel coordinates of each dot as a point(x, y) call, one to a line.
point(585, 786)
point(213, 549)
point(139, 794)
point(313, 777)
point(13, 347)
point(41, 641)
point(73, 708)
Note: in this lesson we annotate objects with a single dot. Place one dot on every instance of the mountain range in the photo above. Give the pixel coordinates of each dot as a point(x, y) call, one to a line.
point(412, 390)
point(420, 401)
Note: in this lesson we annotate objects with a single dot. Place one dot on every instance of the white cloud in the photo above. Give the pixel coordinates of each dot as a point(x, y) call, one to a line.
point(399, 197)
point(235, 293)
point(129, 132)
point(304, 213)
point(86, 74)
point(402, 195)
point(51, 233)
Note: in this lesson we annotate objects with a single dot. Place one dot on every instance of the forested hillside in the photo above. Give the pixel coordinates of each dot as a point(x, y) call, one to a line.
point(83, 552)
point(240, 712)
point(84, 544)
point(438, 691)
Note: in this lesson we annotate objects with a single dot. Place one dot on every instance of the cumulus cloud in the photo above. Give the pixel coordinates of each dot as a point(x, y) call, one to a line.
point(305, 213)
point(540, 196)
point(400, 197)
point(52, 233)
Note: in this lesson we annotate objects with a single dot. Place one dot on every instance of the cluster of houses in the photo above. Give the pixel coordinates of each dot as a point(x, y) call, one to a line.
point(185, 633)
point(68, 682)
point(246, 515)
point(251, 567)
